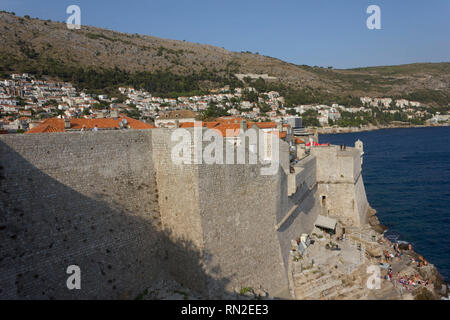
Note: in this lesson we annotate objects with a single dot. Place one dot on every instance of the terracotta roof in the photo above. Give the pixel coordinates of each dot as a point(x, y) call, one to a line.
point(57, 124)
point(209, 125)
point(212, 124)
point(49, 129)
point(297, 140)
point(192, 124)
point(229, 119)
point(264, 125)
point(280, 134)
point(233, 125)
point(228, 129)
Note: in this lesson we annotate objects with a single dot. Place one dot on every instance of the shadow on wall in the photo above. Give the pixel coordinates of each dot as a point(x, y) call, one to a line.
point(46, 226)
point(301, 220)
point(305, 207)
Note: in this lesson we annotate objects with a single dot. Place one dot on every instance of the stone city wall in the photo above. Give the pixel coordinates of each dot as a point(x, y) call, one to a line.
point(85, 199)
point(115, 204)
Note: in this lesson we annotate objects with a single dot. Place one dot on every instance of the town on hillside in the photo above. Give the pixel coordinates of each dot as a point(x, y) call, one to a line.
point(27, 103)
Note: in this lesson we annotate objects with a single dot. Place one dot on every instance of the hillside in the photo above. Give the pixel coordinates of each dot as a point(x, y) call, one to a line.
point(100, 58)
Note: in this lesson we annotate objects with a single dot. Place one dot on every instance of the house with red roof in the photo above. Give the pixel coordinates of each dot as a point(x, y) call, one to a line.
point(76, 124)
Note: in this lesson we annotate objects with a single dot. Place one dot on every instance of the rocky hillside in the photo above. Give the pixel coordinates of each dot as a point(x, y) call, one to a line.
point(38, 46)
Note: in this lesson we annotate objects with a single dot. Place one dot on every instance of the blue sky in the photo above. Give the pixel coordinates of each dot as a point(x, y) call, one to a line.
point(312, 32)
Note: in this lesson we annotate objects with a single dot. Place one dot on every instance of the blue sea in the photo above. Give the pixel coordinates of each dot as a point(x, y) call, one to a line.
point(406, 174)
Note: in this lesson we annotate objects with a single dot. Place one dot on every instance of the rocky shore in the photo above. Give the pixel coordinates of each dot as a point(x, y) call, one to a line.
point(363, 265)
point(412, 275)
point(341, 267)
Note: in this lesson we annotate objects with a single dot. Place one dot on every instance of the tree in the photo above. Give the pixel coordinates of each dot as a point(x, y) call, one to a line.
point(291, 111)
point(21, 102)
point(248, 80)
point(310, 118)
point(250, 96)
point(100, 105)
point(212, 113)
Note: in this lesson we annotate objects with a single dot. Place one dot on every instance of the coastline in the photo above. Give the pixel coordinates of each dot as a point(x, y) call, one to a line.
point(412, 261)
point(361, 263)
point(337, 130)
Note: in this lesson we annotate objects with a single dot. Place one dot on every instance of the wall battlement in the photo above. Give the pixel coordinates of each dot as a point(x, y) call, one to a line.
point(115, 204)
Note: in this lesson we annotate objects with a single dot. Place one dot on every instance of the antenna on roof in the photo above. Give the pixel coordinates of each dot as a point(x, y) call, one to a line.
point(123, 123)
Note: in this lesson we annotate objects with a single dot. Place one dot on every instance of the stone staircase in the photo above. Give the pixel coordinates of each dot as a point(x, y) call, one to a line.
point(315, 284)
point(333, 275)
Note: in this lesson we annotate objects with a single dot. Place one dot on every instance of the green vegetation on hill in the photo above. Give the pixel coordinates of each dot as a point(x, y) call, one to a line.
point(100, 80)
point(297, 96)
point(310, 119)
point(101, 59)
point(212, 113)
point(441, 98)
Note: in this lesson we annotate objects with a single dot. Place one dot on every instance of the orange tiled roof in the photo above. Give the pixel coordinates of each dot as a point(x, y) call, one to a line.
point(228, 129)
point(192, 124)
point(57, 124)
point(212, 124)
point(219, 126)
point(209, 124)
point(297, 140)
point(280, 134)
point(263, 125)
point(233, 125)
point(49, 129)
point(229, 119)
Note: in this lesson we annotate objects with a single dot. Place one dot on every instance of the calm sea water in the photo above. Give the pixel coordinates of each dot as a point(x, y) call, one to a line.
point(406, 173)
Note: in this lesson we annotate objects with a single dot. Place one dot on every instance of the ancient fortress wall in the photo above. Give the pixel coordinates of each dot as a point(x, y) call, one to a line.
point(300, 206)
point(115, 204)
point(228, 212)
point(179, 205)
point(85, 199)
point(238, 207)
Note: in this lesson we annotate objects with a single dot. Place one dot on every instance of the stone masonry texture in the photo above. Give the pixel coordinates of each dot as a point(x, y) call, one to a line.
point(115, 204)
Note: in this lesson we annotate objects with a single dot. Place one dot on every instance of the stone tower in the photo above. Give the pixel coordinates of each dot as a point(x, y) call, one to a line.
point(360, 146)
